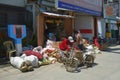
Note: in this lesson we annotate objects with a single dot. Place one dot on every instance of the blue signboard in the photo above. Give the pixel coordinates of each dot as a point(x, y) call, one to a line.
point(17, 32)
point(82, 7)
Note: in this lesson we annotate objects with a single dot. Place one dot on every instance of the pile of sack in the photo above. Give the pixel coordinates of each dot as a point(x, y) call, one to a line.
point(25, 63)
point(36, 57)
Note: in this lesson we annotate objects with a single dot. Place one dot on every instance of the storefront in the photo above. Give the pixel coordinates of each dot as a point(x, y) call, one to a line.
point(58, 23)
point(110, 22)
point(86, 13)
point(53, 23)
point(118, 26)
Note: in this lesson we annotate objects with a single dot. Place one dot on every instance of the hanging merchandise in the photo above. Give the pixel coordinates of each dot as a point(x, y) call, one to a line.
point(49, 21)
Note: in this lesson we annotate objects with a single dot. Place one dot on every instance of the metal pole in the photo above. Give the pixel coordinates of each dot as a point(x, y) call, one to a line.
point(34, 18)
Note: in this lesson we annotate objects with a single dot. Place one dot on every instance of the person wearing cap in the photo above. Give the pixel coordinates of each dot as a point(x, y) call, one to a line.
point(66, 45)
point(52, 37)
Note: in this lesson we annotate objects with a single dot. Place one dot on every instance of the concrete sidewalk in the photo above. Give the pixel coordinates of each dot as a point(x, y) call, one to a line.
point(107, 67)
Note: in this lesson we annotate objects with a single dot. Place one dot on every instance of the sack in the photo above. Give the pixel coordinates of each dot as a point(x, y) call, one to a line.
point(30, 52)
point(33, 60)
point(16, 61)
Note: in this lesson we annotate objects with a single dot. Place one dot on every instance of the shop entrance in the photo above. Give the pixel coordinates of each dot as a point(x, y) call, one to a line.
point(58, 25)
point(55, 26)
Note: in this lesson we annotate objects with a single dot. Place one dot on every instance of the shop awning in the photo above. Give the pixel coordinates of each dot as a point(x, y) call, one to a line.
point(57, 15)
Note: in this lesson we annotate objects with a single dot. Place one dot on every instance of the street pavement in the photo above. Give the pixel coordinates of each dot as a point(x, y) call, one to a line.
point(106, 67)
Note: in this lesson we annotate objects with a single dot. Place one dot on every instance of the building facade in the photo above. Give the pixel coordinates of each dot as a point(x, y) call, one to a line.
point(86, 15)
point(109, 28)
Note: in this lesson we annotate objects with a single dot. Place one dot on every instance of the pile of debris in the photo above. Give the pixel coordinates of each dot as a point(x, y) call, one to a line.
point(39, 56)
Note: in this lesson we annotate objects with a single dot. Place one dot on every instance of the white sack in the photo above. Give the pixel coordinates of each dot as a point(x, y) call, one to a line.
point(33, 59)
point(16, 61)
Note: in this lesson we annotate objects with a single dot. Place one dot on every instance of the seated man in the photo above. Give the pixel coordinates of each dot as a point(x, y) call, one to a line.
point(79, 40)
point(65, 45)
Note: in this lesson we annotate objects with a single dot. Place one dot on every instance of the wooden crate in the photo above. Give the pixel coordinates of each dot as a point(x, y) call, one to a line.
point(56, 44)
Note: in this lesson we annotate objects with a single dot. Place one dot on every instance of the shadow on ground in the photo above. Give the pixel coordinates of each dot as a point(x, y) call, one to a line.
point(113, 49)
point(91, 66)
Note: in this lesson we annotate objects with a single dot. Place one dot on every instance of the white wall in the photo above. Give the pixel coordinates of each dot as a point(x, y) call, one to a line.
point(19, 3)
point(84, 22)
point(101, 27)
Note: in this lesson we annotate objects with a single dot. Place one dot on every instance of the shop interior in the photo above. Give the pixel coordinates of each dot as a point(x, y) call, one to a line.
point(55, 26)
